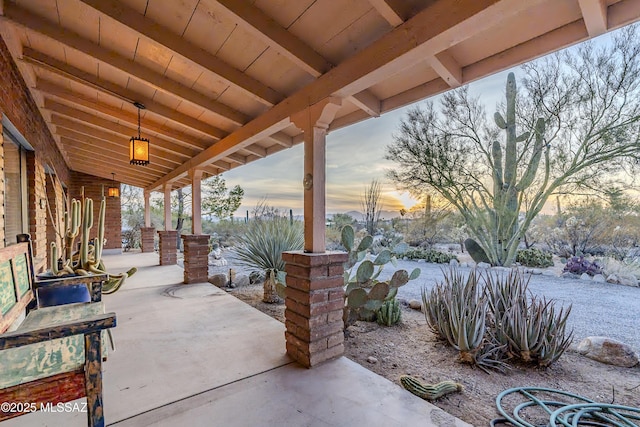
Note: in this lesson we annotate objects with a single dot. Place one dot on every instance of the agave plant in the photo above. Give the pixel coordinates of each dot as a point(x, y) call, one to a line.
point(261, 246)
point(456, 310)
point(528, 326)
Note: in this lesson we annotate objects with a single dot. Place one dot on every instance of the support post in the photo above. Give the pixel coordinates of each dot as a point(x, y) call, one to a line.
point(167, 207)
point(147, 209)
point(196, 257)
point(314, 122)
point(196, 201)
point(168, 247)
point(314, 306)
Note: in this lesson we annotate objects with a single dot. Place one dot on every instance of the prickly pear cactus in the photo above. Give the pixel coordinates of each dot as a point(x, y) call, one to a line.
point(476, 252)
point(364, 293)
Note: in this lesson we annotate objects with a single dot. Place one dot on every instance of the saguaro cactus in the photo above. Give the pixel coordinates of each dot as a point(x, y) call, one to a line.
point(507, 188)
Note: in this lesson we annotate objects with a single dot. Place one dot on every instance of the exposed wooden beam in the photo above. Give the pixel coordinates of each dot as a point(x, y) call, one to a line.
point(387, 12)
point(277, 37)
point(282, 139)
point(263, 27)
point(236, 158)
point(431, 31)
point(67, 71)
point(367, 102)
point(594, 13)
point(447, 68)
point(50, 89)
point(88, 118)
point(160, 35)
point(85, 166)
point(106, 166)
point(33, 22)
point(255, 149)
point(112, 146)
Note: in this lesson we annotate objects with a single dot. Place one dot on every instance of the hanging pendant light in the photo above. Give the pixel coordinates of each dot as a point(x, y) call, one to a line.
point(114, 190)
point(138, 146)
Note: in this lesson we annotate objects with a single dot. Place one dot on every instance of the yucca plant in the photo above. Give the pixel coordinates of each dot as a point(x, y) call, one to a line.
point(261, 246)
point(456, 310)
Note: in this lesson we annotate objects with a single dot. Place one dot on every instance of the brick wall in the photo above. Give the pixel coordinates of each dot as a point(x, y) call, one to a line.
point(19, 107)
point(93, 188)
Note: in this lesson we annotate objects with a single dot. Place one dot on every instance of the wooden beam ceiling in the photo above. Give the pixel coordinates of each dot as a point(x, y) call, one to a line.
point(157, 34)
point(387, 12)
point(594, 13)
point(426, 34)
point(143, 74)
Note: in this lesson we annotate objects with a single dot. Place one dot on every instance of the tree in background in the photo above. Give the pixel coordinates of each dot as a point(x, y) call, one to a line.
point(371, 205)
point(579, 116)
point(219, 202)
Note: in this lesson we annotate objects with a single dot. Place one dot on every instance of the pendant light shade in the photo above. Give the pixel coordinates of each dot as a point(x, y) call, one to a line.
point(113, 190)
point(138, 146)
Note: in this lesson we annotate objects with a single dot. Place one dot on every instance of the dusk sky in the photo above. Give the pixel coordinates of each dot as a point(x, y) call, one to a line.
point(355, 156)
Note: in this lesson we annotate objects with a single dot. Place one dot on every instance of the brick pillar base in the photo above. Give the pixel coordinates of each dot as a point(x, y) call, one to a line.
point(147, 235)
point(168, 247)
point(314, 306)
point(196, 257)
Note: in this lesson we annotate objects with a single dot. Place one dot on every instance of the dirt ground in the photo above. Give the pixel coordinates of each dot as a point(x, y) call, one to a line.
point(411, 348)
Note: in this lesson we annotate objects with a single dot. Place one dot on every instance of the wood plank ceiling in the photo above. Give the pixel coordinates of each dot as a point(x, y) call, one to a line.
point(220, 78)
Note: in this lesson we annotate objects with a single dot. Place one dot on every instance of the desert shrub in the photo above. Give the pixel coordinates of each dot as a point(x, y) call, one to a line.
point(580, 265)
point(533, 257)
point(491, 318)
point(430, 255)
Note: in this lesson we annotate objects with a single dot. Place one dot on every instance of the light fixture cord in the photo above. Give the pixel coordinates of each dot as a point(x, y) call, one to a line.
point(138, 122)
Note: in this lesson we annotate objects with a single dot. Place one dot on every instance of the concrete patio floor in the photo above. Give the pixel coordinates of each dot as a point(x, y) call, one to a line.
point(193, 355)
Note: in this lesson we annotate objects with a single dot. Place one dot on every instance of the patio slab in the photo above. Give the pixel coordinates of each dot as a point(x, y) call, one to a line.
point(194, 355)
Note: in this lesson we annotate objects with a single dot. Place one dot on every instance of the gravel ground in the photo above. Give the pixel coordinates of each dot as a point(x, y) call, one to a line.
point(597, 308)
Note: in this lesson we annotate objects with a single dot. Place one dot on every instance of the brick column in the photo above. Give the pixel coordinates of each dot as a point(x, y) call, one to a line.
point(168, 247)
point(147, 235)
point(196, 257)
point(314, 306)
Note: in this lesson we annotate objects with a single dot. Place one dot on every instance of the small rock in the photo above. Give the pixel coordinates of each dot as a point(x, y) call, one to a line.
point(372, 360)
point(613, 278)
point(464, 265)
point(585, 276)
point(415, 304)
point(220, 280)
point(537, 271)
point(628, 281)
point(454, 263)
point(241, 280)
point(608, 350)
point(599, 278)
point(484, 265)
point(421, 260)
point(548, 273)
point(218, 262)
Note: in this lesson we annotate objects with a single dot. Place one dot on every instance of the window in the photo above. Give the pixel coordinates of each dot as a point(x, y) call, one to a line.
point(16, 219)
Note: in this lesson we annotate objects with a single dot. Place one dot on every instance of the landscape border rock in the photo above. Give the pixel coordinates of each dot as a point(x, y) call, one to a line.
point(608, 350)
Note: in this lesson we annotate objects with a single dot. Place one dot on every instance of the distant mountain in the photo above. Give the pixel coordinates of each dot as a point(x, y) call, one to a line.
point(359, 216)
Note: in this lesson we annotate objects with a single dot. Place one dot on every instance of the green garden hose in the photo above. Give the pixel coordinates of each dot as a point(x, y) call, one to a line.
point(559, 412)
